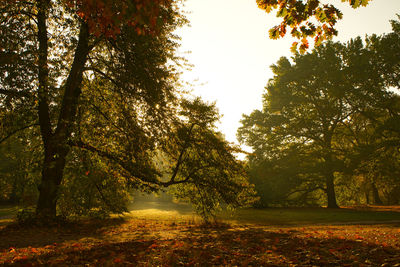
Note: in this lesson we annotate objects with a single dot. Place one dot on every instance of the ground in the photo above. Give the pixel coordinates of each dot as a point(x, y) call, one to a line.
point(150, 237)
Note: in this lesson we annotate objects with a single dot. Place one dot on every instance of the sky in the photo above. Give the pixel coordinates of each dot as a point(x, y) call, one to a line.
point(231, 52)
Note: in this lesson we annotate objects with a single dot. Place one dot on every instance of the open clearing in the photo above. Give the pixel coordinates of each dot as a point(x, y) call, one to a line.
point(151, 237)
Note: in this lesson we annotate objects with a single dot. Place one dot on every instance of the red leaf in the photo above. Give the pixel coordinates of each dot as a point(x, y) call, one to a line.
point(154, 246)
point(118, 260)
point(76, 245)
point(177, 245)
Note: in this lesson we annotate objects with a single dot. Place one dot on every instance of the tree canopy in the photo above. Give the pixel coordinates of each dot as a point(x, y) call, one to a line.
point(321, 113)
point(96, 84)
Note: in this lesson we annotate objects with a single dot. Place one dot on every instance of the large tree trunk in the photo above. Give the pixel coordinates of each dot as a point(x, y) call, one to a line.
point(377, 199)
point(330, 190)
point(329, 167)
point(367, 197)
point(329, 180)
point(52, 174)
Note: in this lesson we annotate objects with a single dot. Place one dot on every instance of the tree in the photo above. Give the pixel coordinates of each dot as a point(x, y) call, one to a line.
point(204, 159)
point(374, 130)
point(308, 104)
point(102, 77)
point(311, 18)
point(61, 63)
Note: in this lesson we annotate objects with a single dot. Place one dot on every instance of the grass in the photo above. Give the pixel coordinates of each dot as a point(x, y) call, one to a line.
point(301, 216)
point(272, 216)
point(7, 214)
point(8, 211)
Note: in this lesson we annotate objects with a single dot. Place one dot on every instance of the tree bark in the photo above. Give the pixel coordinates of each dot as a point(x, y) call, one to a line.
point(329, 180)
point(52, 174)
point(377, 199)
point(367, 197)
point(329, 169)
point(330, 191)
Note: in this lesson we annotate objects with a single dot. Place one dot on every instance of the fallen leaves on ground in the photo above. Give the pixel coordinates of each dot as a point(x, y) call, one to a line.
point(151, 243)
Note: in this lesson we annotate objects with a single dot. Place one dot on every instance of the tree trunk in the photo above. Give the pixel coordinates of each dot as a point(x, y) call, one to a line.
point(56, 145)
point(329, 177)
point(330, 191)
point(377, 199)
point(52, 174)
point(367, 197)
point(13, 198)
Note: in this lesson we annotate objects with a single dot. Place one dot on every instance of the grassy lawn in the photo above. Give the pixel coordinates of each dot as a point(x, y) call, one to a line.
point(7, 214)
point(272, 216)
point(8, 211)
point(300, 216)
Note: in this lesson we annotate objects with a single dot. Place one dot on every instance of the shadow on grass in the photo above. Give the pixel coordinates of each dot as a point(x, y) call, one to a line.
point(14, 235)
point(311, 216)
point(8, 211)
point(227, 246)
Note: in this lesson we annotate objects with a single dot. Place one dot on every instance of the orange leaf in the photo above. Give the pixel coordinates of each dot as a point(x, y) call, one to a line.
point(178, 245)
point(118, 260)
point(76, 245)
point(154, 245)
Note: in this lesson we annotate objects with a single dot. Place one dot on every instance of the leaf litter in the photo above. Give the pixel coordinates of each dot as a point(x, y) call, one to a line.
point(138, 242)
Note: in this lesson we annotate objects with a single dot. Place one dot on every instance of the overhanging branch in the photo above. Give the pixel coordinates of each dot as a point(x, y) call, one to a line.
point(17, 130)
point(126, 165)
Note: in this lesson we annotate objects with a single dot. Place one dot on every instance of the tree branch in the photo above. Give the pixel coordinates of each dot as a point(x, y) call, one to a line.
point(179, 161)
point(14, 93)
point(44, 114)
point(73, 84)
point(17, 130)
point(105, 76)
point(306, 191)
point(130, 167)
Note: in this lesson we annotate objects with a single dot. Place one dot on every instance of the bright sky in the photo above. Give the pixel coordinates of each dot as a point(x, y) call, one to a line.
point(231, 51)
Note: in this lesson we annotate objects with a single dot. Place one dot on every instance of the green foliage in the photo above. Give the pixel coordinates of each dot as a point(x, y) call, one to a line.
point(26, 216)
point(109, 103)
point(91, 188)
point(207, 172)
point(19, 171)
point(281, 181)
point(328, 123)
